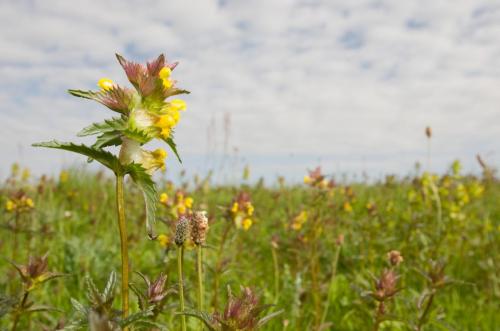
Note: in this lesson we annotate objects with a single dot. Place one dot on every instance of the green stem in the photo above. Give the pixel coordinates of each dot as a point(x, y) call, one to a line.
point(276, 274)
point(120, 205)
point(423, 317)
point(332, 279)
point(20, 311)
point(180, 261)
point(199, 265)
point(218, 265)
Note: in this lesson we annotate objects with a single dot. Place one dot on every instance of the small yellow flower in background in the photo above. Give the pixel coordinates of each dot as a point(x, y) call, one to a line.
point(14, 169)
point(307, 180)
point(188, 202)
point(235, 208)
point(299, 220)
point(26, 174)
point(10, 205)
point(347, 207)
point(164, 198)
point(246, 224)
point(105, 84)
point(63, 176)
point(29, 202)
point(163, 239)
point(250, 209)
point(181, 209)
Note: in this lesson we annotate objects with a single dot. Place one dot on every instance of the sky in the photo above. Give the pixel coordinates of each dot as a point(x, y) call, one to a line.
point(280, 85)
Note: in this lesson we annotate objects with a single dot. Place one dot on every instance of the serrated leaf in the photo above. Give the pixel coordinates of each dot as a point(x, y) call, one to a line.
point(114, 124)
point(136, 317)
point(137, 135)
point(146, 184)
point(173, 147)
point(41, 308)
point(109, 290)
point(105, 158)
point(118, 99)
point(108, 139)
point(78, 307)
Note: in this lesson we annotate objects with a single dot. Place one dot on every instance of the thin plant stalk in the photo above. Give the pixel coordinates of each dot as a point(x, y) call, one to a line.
point(423, 318)
point(332, 279)
point(199, 267)
point(124, 245)
point(218, 265)
point(180, 262)
point(276, 274)
point(19, 312)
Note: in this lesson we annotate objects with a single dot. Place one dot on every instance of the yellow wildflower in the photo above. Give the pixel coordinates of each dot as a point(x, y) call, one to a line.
point(10, 205)
point(246, 224)
point(178, 104)
point(235, 207)
point(105, 84)
point(26, 174)
point(181, 209)
point(63, 176)
point(164, 197)
point(29, 202)
point(163, 239)
point(307, 179)
point(188, 202)
point(250, 209)
point(347, 207)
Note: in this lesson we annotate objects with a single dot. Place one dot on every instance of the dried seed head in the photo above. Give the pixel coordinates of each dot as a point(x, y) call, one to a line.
point(395, 258)
point(181, 231)
point(386, 285)
point(156, 290)
point(199, 227)
point(340, 240)
point(428, 132)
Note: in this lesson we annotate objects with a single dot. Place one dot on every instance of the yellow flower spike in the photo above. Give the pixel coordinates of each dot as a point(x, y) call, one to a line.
point(178, 104)
point(165, 132)
point(347, 207)
point(235, 207)
point(26, 174)
point(63, 176)
point(105, 84)
point(307, 180)
point(188, 202)
point(246, 224)
point(10, 205)
point(163, 239)
point(164, 198)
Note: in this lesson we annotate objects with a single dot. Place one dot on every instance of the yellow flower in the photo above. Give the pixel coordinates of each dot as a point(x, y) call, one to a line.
point(163, 198)
point(188, 202)
point(63, 176)
point(178, 104)
point(164, 75)
point(307, 179)
point(10, 205)
point(235, 207)
point(250, 209)
point(29, 202)
point(26, 174)
point(105, 84)
point(181, 209)
point(165, 121)
point(246, 224)
point(164, 240)
point(347, 207)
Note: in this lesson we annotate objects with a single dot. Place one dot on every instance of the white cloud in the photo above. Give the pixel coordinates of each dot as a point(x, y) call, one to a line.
point(352, 82)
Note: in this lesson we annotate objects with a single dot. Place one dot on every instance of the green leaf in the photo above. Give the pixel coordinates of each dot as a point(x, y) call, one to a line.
point(108, 139)
point(136, 317)
point(84, 94)
point(173, 146)
point(146, 184)
point(137, 135)
point(79, 308)
point(105, 158)
point(201, 315)
point(114, 124)
point(267, 318)
point(109, 291)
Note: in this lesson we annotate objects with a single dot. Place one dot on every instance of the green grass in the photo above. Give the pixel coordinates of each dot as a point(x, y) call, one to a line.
point(75, 222)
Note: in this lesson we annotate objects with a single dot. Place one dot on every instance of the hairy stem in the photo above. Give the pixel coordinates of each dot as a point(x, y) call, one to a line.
point(199, 267)
point(180, 262)
point(120, 205)
point(423, 317)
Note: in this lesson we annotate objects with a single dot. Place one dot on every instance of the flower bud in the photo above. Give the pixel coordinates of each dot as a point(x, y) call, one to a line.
point(199, 227)
point(181, 231)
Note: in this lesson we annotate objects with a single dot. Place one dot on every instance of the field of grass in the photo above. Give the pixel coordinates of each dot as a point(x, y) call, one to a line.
point(318, 252)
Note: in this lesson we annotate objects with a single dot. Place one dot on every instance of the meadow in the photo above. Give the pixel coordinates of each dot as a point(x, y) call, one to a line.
point(413, 253)
point(86, 250)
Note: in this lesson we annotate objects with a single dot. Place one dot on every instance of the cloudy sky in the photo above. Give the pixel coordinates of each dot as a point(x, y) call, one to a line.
point(284, 85)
